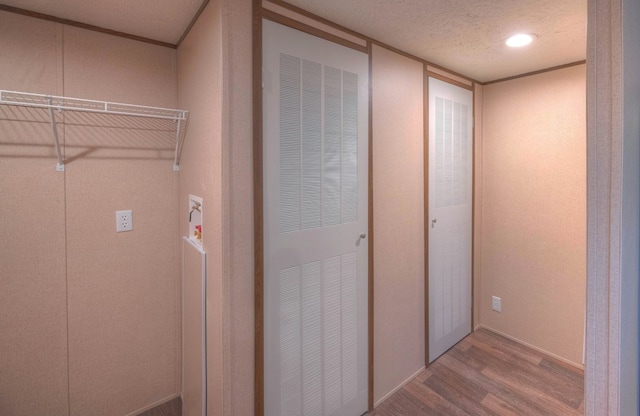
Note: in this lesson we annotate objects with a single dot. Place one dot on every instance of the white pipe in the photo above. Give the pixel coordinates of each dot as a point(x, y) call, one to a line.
point(204, 319)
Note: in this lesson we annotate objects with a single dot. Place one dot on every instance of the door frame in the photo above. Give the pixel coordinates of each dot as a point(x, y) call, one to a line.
point(430, 74)
point(259, 13)
point(611, 372)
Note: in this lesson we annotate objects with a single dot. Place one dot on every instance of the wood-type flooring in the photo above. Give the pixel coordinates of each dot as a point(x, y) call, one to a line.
point(487, 374)
point(170, 408)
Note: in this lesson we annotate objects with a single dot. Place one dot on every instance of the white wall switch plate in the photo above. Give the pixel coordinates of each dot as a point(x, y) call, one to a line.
point(496, 304)
point(124, 221)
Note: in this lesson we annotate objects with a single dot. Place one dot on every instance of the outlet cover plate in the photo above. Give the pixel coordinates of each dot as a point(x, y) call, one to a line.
point(124, 221)
point(496, 303)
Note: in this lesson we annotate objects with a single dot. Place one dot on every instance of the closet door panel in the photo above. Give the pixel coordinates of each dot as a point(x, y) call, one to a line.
point(315, 186)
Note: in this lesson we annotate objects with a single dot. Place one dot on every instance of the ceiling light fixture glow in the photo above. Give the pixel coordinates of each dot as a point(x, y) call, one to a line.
point(519, 40)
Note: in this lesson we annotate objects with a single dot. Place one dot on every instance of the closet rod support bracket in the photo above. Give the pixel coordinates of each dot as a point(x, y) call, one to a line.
point(56, 141)
point(176, 155)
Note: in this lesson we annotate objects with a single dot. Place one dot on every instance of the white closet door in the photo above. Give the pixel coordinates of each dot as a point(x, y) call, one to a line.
point(450, 214)
point(315, 210)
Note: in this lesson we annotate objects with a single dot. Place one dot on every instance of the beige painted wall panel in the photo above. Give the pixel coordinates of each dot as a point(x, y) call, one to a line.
point(32, 277)
point(109, 68)
point(200, 92)
point(398, 209)
point(123, 294)
point(33, 344)
point(30, 55)
point(534, 210)
point(33, 324)
point(238, 258)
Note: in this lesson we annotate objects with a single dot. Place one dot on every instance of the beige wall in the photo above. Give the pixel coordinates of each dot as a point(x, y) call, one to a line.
point(200, 91)
point(214, 82)
point(72, 286)
point(33, 312)
point(237, 196)
point(533, 249)
point(398, 219)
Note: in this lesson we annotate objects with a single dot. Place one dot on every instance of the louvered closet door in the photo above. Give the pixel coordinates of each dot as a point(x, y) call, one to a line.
point(315, 210)
point(450, 214)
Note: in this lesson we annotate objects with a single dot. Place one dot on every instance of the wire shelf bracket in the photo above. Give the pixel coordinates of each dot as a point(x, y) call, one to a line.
point(52, 102)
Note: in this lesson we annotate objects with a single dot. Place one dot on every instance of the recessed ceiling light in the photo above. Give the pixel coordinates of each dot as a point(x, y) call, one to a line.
point(519, 40)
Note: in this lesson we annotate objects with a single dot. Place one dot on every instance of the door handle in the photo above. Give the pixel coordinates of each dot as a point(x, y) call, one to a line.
point(433, 222)
point(363, 235)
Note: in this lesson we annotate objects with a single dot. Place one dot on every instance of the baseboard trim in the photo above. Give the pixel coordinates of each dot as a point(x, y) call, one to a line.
point(400, 386)
point(155, 404)
point(533, 347)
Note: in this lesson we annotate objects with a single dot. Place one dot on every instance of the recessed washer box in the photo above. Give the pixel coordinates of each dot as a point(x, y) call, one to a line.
point(195, 219)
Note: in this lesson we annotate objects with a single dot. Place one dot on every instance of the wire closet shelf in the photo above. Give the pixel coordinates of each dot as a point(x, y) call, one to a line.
point(58, 103)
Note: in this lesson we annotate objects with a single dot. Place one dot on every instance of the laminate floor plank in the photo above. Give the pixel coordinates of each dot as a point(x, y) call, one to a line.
point(500, 407)
point(488, 374)
point(563, 370)
point(423, 393)
point(523, 403)
point(505, 344)
point(550, 405)
point(548, 375)
point(171, 408)
point(404, 403)
point(466, 396)
point(435, 403)
point(464, 344)
point(522, 372)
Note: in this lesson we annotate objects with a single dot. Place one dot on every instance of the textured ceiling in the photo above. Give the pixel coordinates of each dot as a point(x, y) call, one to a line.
point(466, 36)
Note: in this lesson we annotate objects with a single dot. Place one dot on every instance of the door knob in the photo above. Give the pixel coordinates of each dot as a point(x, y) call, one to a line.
point(363, 235)
point(433, 222)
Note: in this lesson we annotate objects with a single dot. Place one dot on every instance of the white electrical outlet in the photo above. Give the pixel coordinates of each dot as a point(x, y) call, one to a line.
point(124, 221)
point(496, 304)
